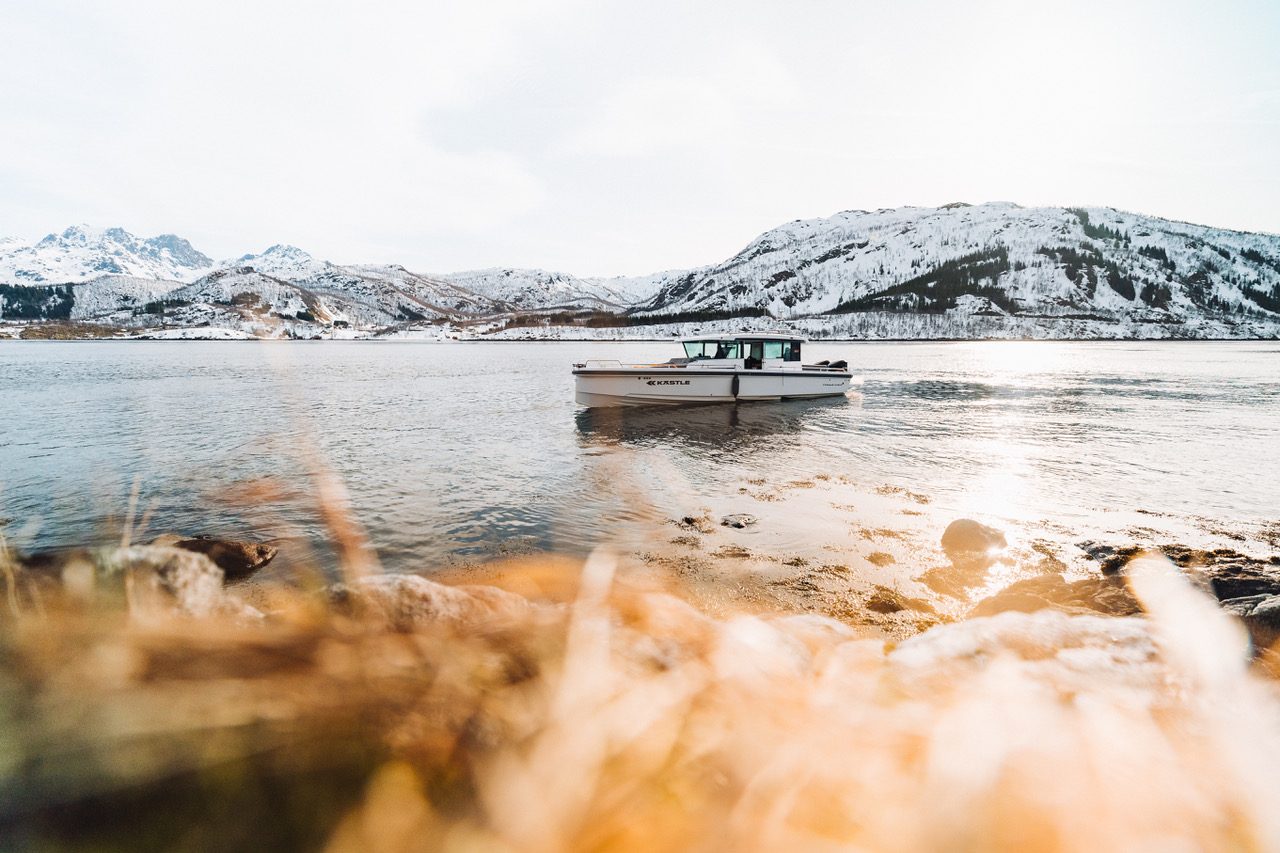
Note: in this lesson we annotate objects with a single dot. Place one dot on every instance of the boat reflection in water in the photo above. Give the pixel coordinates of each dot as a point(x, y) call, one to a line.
point(711, 430)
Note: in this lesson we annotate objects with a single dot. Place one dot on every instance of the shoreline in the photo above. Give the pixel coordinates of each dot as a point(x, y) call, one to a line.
point(664, 339)
point(872, 556)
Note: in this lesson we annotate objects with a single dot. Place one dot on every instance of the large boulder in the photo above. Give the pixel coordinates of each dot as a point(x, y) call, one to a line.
point(166, 579)
point(405, 602)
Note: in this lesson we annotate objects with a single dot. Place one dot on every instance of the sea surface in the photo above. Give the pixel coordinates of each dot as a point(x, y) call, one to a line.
point(465, 451)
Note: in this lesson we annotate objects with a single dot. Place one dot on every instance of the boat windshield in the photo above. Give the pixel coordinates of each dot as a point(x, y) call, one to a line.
point(711, 349)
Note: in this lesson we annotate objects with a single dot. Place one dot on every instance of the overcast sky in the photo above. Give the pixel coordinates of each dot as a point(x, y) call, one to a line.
point(612, 138)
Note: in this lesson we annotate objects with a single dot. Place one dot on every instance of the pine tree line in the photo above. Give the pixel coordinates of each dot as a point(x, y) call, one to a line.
point(1095, 231)
point(24, 302)
point(939, 289)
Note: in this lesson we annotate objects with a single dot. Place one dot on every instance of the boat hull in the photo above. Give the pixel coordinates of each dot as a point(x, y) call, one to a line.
point(608, 388)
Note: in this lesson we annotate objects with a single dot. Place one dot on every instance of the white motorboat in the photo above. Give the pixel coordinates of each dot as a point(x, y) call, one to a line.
point(715, 369)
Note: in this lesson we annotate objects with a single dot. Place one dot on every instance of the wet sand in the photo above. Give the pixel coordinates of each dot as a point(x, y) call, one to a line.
point(869, 557)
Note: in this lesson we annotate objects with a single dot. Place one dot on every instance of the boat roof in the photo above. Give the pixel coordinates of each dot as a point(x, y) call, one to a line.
point(745, 336)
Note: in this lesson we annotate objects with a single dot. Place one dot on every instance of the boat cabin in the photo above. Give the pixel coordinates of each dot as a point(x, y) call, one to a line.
point(756, 352)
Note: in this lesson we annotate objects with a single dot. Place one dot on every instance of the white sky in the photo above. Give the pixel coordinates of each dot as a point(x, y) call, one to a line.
point(611, 138)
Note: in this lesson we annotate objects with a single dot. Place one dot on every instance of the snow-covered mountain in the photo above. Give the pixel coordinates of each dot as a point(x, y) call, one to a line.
point(113, 294)
point(267, 292)
point(388, 289)
point(990, 260)
point(81, 253)
point(528, 289)
point(243, 297)
point(991, 270)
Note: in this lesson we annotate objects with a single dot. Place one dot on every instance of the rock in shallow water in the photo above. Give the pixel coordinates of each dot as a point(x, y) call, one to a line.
point(738, 520)
point(153, 579)
point(698, 523)
point(966, 536)
point(237, 558)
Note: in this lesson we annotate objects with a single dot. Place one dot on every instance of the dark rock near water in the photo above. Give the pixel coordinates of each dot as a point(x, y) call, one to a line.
point(1110, 558)
point(1224, 572)
point(237, 558)
point(153, 579)
point(1237, 576)
point(1229, 571)
point(698, 523)
point(966, 536)
point(51, 562)
point(738, 520)
point(1260, 614)
point(1247, 586)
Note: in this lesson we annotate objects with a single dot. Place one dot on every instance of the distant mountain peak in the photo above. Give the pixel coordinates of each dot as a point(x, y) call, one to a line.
point(287, 249)
point(278, 250)
point(82, 252)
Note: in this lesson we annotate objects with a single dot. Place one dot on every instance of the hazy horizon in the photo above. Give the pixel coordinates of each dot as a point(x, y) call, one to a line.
point(605, 140)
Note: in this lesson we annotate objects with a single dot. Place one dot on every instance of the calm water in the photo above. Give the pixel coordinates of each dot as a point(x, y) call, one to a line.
point(455, 451)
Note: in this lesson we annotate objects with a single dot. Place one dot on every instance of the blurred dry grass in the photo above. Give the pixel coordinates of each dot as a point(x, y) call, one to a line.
point(396, 713)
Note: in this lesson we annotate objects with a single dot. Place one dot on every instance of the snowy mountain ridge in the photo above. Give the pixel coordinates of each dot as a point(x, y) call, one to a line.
point(81, 253)
point(534, 289)
point(991, 259)
point(990, 270)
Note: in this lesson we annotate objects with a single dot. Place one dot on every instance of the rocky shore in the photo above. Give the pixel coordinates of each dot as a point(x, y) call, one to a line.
point(888, 579)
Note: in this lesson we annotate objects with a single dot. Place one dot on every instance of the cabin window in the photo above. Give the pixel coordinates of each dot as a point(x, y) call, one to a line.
point(711, 349)
point(791, 350)
point(773, 349)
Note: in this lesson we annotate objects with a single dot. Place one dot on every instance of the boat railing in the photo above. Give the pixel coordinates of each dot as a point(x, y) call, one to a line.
point(607, 363)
